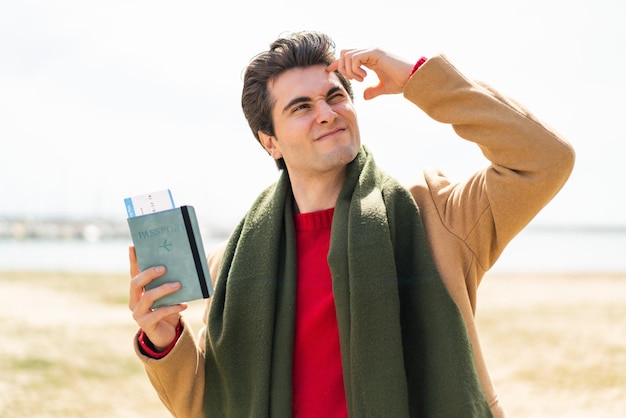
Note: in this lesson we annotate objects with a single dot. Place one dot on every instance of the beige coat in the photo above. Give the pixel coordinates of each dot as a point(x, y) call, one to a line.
point(468, 224)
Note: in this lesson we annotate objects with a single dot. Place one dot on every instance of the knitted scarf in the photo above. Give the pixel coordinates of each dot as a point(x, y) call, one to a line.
point(404, 346)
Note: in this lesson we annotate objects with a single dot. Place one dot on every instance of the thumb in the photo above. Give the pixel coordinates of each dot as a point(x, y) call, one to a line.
point(371, 92)
point(132, 257)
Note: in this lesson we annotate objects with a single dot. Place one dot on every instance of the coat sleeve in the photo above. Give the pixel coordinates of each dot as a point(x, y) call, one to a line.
point(529, 161)
point(179, 377)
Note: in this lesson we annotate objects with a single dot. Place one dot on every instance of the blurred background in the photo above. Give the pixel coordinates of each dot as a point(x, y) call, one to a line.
point(104, 100)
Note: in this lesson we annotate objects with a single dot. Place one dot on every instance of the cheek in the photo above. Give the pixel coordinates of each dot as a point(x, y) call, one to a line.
point(347, 111)
point(292, 131)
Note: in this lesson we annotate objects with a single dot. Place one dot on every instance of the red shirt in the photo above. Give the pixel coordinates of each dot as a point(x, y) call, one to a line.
point(318, 389)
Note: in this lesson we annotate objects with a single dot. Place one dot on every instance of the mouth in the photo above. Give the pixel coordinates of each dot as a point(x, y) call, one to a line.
point(330, 134)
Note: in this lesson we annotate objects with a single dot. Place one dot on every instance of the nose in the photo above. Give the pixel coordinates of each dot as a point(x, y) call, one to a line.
point(325, 113)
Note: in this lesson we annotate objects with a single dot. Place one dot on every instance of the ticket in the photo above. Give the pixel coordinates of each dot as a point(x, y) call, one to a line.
point(149, 203)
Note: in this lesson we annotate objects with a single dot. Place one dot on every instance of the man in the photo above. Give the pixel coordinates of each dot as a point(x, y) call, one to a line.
point(342, 293)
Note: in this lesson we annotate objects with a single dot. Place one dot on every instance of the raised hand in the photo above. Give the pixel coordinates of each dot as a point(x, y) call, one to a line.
point(392, 72)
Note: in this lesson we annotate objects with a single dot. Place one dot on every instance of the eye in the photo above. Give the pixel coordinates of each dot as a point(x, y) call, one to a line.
point(300, 107)
point(337, 97)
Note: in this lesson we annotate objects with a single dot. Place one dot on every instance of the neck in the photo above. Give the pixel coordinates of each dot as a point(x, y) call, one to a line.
point(312, 194)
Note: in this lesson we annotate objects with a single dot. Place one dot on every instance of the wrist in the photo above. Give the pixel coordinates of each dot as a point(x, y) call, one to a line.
point(417, 65)
point(148, 348)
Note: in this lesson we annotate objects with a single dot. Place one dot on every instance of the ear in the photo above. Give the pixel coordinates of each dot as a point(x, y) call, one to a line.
point(270, 143)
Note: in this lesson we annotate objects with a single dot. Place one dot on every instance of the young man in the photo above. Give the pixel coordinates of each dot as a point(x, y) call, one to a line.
point(342, 293)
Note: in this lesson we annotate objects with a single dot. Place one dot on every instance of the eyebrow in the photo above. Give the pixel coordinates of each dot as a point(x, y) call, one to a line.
point(303, 99)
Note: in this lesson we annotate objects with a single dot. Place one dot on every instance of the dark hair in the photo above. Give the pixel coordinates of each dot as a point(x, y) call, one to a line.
point(300, 49)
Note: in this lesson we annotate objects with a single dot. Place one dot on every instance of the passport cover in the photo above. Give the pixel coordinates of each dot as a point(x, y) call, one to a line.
point(171, 238)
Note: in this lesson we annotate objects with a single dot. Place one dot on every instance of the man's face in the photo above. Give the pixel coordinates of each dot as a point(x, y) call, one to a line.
point(315, 123)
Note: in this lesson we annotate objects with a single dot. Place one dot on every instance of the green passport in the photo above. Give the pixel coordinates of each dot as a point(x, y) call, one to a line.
point(171, 238)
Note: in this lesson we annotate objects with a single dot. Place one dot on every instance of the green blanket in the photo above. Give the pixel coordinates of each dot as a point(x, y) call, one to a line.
point(404, 346)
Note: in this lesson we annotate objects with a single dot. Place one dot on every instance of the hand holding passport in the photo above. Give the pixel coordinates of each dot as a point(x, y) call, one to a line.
point(165, 235)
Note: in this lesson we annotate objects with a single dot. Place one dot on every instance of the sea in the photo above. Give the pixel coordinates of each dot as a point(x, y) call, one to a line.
point(534, 250)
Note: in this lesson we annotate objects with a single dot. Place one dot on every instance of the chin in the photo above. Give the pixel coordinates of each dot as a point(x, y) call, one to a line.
point(349, 153)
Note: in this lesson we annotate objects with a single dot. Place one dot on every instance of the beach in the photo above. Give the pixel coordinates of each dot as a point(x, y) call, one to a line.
point(555, 345)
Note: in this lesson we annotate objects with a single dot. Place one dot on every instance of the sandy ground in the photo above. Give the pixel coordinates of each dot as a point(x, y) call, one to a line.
point(555, 345)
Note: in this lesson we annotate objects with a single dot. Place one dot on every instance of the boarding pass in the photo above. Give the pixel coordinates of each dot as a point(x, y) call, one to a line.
point(149, 203)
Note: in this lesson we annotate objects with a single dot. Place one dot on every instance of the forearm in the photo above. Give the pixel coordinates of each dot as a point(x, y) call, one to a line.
point(178, 378)
point(529, 162)
point(507, 133)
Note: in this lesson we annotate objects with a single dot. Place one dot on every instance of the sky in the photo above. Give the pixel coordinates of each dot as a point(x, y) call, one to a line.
point(104, 100)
